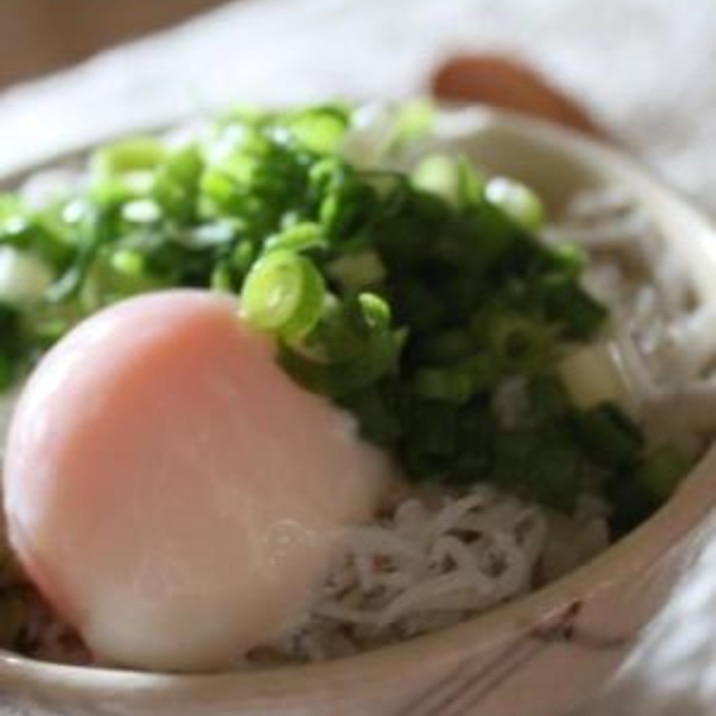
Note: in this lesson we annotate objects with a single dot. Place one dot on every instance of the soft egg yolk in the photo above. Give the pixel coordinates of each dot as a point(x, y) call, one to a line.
point(173, 493)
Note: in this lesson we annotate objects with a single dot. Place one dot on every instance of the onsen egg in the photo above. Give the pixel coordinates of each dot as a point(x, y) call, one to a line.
point(172, 492)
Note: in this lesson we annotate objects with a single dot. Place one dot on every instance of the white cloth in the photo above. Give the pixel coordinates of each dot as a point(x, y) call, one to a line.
point(646, 68)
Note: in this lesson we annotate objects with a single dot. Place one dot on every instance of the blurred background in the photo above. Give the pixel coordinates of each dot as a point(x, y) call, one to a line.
point(74, 71)
point(37, 36)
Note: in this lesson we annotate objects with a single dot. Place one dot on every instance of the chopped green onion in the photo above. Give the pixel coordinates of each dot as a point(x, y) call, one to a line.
point(470, 184)
point(518, 343)
point(283, 293)
point(662, 471)
point(518, 201)
point(300, 237)
point(7, 373)
point(128, 262)
point(340, 379)
point(555, 473)
point(437, 174)
point(548, 400)
point(484, 371)
point(414, 120)
point(408, 298)
point(580, 314)
point(609, 437)
point(128, 155)
point(13, 617)
point(141, 211)
point(454, 180)
point(358, 270)
point(570, 258)
point(448, 346)
point(594, 374)
point(543, 464)
point(176, 183)
point(221, 279)
point(376, 311)
point(339, 335)
point(242, 257)
point(24, 278)
point(452, 385)
point(125, 169)
point(632, 503)
point(321, 129)
point(378, 420)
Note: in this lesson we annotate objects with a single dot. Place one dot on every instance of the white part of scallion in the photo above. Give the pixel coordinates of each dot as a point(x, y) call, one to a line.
point(23, 278)
point(357, 271)
point(595, 374)
point(369, 137)
point(518, 201)
point(438, 175)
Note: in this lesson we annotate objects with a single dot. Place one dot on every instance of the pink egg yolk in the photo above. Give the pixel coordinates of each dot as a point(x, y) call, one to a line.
point(174, 494)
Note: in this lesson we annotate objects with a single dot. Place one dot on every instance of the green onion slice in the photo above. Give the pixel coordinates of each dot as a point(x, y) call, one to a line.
point(284, 294)
point(518, 201)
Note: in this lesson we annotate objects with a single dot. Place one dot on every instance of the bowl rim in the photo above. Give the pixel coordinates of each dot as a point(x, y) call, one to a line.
point(627, 558)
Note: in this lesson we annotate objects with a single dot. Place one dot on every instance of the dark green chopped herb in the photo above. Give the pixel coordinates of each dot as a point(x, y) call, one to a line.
point(409, 298)
point(542, 464)
point(609, 437)
point(631, 503)
point(176, 184)
point(548, 400)
point(662, 470)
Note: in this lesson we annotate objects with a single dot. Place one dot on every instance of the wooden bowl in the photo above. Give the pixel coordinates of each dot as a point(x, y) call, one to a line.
point(537, 656)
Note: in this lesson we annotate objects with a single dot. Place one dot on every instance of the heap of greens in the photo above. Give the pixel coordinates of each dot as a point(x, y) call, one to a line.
point(415, 299)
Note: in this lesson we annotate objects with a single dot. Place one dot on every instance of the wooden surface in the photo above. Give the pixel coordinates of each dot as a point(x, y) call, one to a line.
point(37, 36)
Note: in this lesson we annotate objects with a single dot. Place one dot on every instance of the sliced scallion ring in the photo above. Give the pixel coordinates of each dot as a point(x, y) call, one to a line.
point(284, 294)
